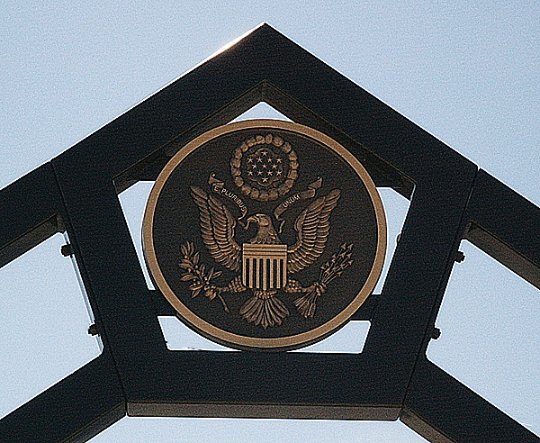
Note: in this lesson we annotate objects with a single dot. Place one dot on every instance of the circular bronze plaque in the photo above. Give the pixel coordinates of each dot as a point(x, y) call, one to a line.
point(264, 235)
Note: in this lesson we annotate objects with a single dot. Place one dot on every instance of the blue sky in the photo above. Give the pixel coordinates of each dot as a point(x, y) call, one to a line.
point(467, 73)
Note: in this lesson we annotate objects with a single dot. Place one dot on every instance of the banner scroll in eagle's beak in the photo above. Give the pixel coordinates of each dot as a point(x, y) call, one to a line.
point(219, 188)
point(296, 197)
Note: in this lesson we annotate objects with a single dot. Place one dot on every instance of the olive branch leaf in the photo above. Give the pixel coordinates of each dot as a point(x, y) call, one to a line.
point(198, 276)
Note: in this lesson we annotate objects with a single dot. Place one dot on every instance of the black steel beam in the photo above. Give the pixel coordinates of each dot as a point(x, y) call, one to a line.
point(30, 210)
point(327, 386)
point(111, 274)
point(442, 409)
point(75, 409)
point(506, 226)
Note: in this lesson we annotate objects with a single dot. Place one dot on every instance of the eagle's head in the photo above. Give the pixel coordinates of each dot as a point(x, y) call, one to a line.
point(260, 219)
point(266, 233)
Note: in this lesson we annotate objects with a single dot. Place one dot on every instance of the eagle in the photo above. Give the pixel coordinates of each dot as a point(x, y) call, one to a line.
point(218, 225)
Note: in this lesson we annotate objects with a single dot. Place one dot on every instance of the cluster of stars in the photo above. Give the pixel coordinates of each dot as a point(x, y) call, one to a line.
point(264, 167)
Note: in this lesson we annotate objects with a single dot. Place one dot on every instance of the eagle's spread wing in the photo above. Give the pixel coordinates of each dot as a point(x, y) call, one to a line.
point(312, 226)
point(217, 229)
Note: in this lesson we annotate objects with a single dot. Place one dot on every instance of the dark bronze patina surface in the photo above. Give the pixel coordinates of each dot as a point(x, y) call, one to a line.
point(265, 234)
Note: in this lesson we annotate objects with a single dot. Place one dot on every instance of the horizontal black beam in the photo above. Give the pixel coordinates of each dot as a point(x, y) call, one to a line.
point(327, 385)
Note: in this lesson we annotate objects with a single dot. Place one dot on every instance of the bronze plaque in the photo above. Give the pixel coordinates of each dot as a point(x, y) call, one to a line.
point(264, 235)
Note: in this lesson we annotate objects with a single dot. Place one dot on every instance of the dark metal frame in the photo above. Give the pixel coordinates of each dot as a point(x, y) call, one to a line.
point(78, 191)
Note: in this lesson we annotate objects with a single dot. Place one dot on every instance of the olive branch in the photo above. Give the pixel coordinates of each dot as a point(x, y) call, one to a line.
point(198, 275)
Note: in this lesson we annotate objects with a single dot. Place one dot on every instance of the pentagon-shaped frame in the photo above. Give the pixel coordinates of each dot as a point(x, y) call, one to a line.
point(450, 200)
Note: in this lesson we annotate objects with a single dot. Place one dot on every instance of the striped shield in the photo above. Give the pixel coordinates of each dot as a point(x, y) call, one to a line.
point(264, 266)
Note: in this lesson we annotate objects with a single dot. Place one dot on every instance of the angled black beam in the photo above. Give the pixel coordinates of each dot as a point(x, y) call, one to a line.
point(202, 99)
point(30, 209)
point(382, 174)
point(442, 409)
point(506, 226)
point(342, 104)
point(366, 311)
point(75, 409)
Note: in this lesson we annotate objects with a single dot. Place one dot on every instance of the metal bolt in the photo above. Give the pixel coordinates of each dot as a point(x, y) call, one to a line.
point(460, 256)
point(93, 330)
point(67, 250)
point(435, 333)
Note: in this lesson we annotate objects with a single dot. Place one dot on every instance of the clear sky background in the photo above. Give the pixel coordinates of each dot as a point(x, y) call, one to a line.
point(467, 73)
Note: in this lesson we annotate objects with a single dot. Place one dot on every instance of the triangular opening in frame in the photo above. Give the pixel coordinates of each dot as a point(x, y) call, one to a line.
point(489, 331)
point(261, 110)
point(44, 319)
